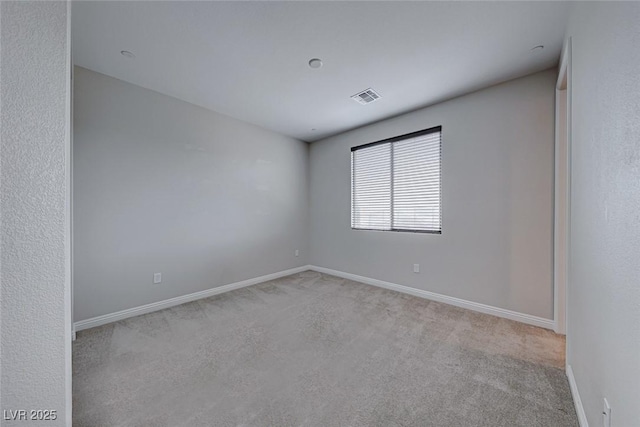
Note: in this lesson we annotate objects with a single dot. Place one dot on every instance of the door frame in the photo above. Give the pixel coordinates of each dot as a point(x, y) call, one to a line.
point(562, 191)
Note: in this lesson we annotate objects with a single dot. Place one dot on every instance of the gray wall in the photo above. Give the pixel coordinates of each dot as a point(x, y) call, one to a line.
point(603, 331)
point(161, 185)
point(35, 309)
point(497, 180)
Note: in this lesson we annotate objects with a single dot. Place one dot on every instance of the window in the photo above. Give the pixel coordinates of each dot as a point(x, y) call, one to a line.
point(395, 183)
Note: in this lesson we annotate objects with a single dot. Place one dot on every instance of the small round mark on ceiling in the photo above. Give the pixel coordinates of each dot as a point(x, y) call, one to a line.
point(315, 63)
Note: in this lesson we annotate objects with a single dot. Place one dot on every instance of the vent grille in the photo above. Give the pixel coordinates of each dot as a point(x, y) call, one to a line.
point(367, 96)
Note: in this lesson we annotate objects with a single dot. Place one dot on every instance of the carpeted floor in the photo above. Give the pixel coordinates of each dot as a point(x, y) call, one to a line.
point(317, 350)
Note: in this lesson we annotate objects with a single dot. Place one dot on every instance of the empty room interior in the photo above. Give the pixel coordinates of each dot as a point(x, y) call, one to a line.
point(320, 213)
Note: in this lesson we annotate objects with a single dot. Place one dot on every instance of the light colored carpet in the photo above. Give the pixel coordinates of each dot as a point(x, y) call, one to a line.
point(316, 350)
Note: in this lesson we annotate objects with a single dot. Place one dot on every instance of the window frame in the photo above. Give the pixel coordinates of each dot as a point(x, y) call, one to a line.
point(427, 131)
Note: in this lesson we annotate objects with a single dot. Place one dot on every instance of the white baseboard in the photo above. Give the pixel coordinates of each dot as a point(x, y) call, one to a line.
point(160, 305)
point(582, 417)
point(482, 308)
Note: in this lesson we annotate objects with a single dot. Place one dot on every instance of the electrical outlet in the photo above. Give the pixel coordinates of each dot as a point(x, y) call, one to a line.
point(606, 414)
point(416, 268)
point(297, 253)
point(157, 278)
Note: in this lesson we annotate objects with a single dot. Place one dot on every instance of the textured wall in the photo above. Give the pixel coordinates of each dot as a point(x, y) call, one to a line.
point(161, 185)
point(34, 89)
point(603, 331)
point(497, 181)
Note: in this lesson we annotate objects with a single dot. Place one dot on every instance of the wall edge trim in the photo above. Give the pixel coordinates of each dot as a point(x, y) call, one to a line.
point(171, 302)
point(458, 302)
point(577, 402)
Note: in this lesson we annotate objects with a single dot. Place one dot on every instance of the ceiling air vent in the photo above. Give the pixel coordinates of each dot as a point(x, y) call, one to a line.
point(367, 96)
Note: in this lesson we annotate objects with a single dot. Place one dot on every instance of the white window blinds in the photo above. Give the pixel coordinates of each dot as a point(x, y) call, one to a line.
point(371, 187)
point(395, 183)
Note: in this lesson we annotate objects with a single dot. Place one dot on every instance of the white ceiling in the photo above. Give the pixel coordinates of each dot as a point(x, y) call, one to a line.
point(249, 59)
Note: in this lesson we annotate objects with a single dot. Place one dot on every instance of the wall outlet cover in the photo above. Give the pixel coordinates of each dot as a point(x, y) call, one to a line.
point(157, 278)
